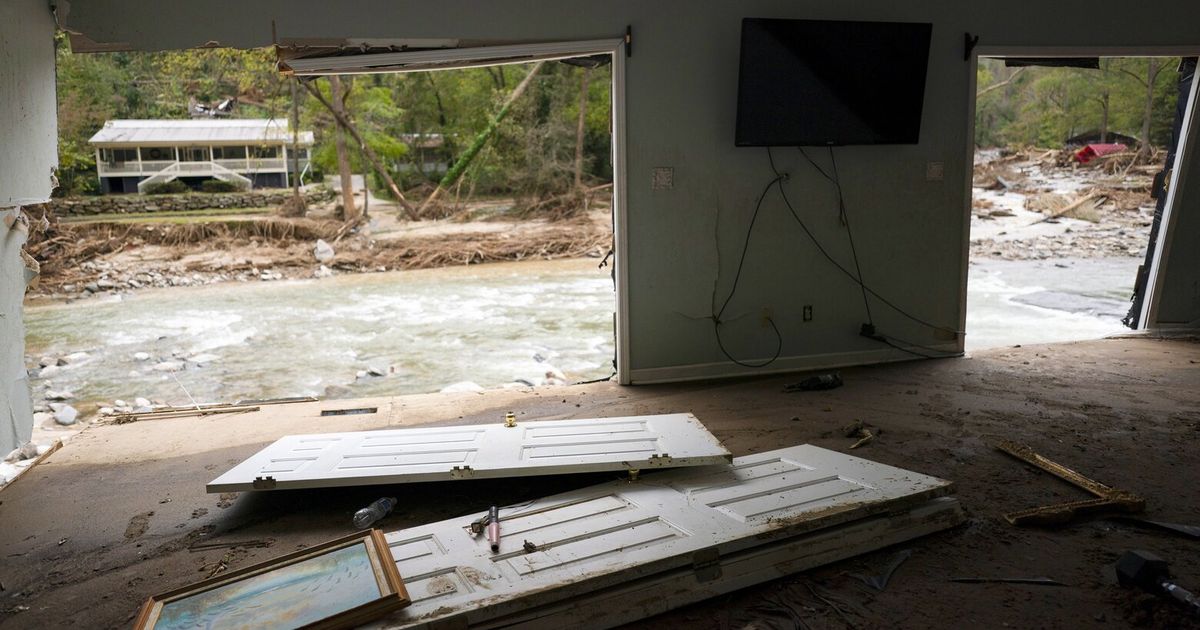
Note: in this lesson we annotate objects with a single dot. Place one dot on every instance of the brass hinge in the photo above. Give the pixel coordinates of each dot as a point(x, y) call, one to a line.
point(706, 564)
point(264, 483)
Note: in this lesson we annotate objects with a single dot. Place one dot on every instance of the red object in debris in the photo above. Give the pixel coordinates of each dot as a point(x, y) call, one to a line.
point(1092, 151)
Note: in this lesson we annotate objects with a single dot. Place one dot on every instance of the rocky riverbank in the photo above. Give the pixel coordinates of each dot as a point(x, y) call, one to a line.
point(1040, 205)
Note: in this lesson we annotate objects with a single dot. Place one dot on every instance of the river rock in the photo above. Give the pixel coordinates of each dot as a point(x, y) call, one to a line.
point(461, 387)
point(66, 416)
point(338, 391)
point(376, 371)
point(203, 358)
point(141, 356)
point(322, 272)
point(75, 357)
point(47, 361)
point(48, 371)
point(41, 418)
point(168, 366)
point(59, 395)
point(323, 251)
point(139, 402)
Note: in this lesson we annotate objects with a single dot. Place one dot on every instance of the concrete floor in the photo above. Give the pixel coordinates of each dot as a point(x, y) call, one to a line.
point(109, 519)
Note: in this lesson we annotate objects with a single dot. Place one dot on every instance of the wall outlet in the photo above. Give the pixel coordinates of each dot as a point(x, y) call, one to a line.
point(808, 312)
point(663, 178)
point(935, 171)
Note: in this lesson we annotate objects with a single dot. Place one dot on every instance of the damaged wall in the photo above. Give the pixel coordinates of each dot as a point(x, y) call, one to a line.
point(681, 101)
point(28, 152)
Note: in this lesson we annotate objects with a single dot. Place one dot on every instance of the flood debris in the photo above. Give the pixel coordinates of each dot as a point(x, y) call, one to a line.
point(1107, 499)
point(816, 382)
point(879, 582)
point(1033, 581)
point(861, 430)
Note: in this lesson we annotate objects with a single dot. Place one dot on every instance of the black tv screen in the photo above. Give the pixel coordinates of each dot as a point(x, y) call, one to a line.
point(816, 82)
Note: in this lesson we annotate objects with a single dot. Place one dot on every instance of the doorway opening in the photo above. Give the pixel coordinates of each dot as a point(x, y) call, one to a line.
point(186, 296)
point(1071, 160)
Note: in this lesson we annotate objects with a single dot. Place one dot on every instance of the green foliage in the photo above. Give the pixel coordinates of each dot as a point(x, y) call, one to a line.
point(172, 187)
point(220, 186)
point(1045, 106)
point(532, 152)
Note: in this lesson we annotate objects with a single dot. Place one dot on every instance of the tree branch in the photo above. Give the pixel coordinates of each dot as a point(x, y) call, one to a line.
point(366, 150)
point(995, 86)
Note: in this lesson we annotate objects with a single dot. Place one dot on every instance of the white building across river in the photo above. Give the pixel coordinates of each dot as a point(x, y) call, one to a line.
point(254, 153)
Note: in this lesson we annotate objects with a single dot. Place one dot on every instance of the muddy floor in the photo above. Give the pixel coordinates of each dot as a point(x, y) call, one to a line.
point(120, 512)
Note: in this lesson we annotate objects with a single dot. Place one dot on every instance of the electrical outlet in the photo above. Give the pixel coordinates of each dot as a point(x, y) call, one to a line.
point(808, 312)
point(768, 314)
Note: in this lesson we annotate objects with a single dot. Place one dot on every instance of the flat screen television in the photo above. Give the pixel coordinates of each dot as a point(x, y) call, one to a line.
point(817, 82)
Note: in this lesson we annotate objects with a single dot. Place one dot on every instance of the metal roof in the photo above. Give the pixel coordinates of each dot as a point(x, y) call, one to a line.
point(202, 131)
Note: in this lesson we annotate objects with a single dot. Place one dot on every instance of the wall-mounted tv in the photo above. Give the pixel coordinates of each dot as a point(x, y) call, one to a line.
point(817, 82)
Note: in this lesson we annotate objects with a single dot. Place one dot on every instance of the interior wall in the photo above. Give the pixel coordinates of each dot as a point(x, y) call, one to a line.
point(681, 87)
point(28, 152)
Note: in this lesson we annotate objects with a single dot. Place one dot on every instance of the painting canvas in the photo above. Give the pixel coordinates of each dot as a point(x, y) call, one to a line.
point(315, 588)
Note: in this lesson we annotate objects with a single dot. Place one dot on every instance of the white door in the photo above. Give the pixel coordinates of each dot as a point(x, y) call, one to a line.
point(598, 553)
point(476, 452)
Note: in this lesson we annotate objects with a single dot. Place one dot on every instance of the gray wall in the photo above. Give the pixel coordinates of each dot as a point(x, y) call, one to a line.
point(681, 105)
point(28, 137)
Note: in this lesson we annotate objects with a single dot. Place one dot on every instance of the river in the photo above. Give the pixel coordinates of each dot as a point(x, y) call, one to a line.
point(492, 325)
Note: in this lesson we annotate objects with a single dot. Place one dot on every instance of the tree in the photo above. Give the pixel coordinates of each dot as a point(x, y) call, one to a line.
point(338, 97)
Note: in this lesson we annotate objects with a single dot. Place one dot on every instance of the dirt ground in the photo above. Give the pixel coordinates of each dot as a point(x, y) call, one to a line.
point(114, 515)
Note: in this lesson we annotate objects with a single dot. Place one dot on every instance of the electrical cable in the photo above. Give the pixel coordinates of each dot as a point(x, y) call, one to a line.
point(837, 180)
point(812, 237)
point(716, 317)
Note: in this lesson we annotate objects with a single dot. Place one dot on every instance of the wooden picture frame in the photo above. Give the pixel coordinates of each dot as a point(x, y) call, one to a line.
point(319, 588)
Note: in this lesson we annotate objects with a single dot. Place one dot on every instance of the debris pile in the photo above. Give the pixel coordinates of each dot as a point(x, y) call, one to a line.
point(1038, 204)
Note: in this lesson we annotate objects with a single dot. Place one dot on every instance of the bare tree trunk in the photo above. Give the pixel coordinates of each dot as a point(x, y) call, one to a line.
point(481, 139)
point(295, 140)
point(338, 94)
point(1151, 74)
point(1104, 119)
point(367, 152)
point(581, 126)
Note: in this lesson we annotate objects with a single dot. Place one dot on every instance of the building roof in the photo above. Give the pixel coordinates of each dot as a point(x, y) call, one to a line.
point(203, 131)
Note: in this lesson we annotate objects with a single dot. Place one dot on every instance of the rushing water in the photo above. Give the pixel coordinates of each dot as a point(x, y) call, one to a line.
point(484, 324)
point(488, 324)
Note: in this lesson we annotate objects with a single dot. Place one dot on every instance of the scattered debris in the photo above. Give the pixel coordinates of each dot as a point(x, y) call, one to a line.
point(880, 582)
point(207, 546)
point(1191, 531)
point(829, 380)
point(861, 430)
point(1144, 570)
point(1035, 581)
point(529, 547)
point(1109, 499)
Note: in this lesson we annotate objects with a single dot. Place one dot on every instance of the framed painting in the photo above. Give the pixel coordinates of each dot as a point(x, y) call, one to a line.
point(338, 584)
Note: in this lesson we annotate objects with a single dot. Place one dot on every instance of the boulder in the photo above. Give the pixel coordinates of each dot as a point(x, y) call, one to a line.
point(323, 251)
point(66, 416)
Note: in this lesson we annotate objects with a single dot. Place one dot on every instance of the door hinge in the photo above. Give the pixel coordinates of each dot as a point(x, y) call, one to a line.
point(264, 483)
point(706, 564)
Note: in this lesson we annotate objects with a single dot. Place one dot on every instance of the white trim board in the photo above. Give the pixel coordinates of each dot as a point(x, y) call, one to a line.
point(725, 369)
point(483, 451)
point(672, 537)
